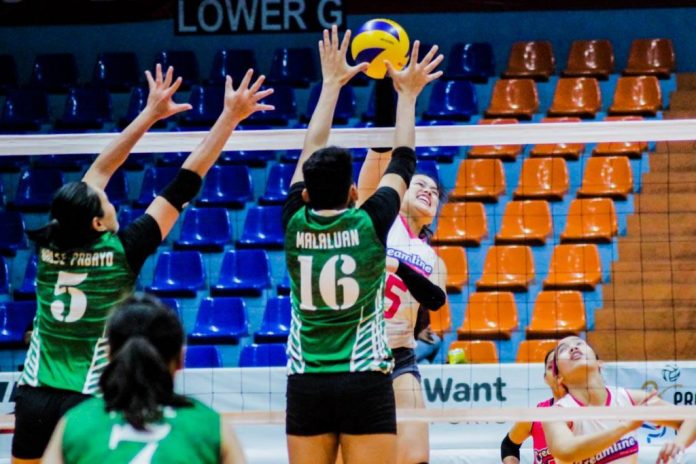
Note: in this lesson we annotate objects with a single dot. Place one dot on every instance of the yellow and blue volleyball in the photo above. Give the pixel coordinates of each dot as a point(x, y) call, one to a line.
point(378, 40)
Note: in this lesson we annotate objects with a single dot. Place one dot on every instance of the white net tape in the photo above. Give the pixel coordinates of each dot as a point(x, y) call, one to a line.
point(289, 139)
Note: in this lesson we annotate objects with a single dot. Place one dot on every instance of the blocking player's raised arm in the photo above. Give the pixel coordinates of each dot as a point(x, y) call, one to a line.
point(336, 72)
point(409, 82)
point(160, 105)
point(239, 105)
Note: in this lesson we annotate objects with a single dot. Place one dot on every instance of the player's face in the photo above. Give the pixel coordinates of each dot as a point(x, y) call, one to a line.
point(422, 196)
point(109, 220)
point(573, 352)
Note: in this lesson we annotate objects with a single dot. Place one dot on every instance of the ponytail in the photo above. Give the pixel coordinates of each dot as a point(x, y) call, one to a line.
point(46, 234)
point(138, 383)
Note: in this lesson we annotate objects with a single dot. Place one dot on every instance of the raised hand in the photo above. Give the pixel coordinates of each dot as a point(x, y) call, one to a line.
point(159, 101)
point(245, 101)
point(334, 67)
point(671, 453)
point(416, 75)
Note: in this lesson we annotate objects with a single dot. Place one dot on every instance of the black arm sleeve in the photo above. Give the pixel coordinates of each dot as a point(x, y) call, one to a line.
point(423, 290)
point(509, 448)
point(140, 239)
point(293, 202)
point(382, 207)
point(403, 163)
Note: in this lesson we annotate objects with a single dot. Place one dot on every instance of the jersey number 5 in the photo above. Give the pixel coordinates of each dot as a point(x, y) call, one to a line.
point(328, 283)
point(393, 298)
point(67, 282)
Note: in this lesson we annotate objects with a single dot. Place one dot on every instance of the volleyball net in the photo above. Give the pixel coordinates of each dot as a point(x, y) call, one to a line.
point(585, 229)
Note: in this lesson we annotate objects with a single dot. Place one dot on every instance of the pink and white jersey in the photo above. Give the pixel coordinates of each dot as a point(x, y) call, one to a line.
point(401, 309)
point(625, 450)
point(541, 449)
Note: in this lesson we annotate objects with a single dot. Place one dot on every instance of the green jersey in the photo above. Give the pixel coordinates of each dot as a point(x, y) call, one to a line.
point(75, 291)
point(184, 435)
point(337, 269)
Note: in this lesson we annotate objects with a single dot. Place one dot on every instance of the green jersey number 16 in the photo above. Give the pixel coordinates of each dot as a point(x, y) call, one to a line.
point(328, 282)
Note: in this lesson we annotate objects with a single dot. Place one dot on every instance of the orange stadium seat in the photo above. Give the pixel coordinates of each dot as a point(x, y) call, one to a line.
point(571, 151)
point(489, 315)
point(608, 176)
point(591, 220)
point(481, 179)
point(545, 178)
point(574, 266)
point(504, 152)
point(533, 59)
point(637, 95)
point(630, 149)
point(651, 56)
point(591, 58)
point(457, 266)
point(526, 222)
point(513, 98)
point(533, 351)
point(462, 224)
point(477, 351)
point(441, 320)
point(507, 268)
point(576, 96)
point(557, 314)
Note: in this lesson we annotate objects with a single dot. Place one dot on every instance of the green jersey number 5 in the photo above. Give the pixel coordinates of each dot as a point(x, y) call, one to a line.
point(67, 283)
point(328, 282)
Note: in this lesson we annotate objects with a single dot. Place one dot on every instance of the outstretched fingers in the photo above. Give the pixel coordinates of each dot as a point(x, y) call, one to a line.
point(246, 80)
point(434, 63)
point(158, 73)
point(334, 37)
point(257, 85)
point(169, 77)
point(427, 59)
point(344, 43)
point(414, 53)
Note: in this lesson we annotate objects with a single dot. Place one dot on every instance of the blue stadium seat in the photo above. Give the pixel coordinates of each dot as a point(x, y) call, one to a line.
point(429, 168)
point(54, 72)
point(275, 326)
point(207, 102)
point(11, 233)
point(283, 99)
point(290, 156)
point(65, 163)
point(227, 186)
point(117, 188)
point(231, 62)
point(293, 66)
point(175, 159)
point(441, 154)
point(8, 72)
point(178, 273)
point(284, 285)
point(265, 355)
point(202, 356)
point(155, 179)
point(136, 104)
point(27, 289)
point(243, 272)
point(184, 62)
point(220, 320)
point(126, 215)
point(24, 110)
point(345, 107)
point(278, 184)
point(86, 108)
point(254, 158)
point(173, 304)
point(473, 61)
point(13, 163)
point(15, 319)
point(262, 228)
point(452, 100)
point(116, 71)
point(205, 229)
point(4, 276)
point(36, 188)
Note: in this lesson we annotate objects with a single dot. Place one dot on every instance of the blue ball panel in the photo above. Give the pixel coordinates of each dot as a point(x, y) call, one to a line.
point(368, 54)
point(379, 26)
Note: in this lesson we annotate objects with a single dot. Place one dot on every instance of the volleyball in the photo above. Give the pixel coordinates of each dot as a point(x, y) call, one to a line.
point(378, 40)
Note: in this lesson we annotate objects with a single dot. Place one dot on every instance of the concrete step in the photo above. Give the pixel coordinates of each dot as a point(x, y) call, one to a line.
point(649, 292)
point(670, 182)
point(654, 318)
point(661, 225)
point(682, 100)
point(672, 162)
point(636, 304)
point(643, 345)
point(647, 276)
point(661, 203)
point(686, 81)
point(638, 249)
point(678, 146)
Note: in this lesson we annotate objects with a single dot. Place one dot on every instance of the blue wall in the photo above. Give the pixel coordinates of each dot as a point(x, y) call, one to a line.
point(501, 29)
